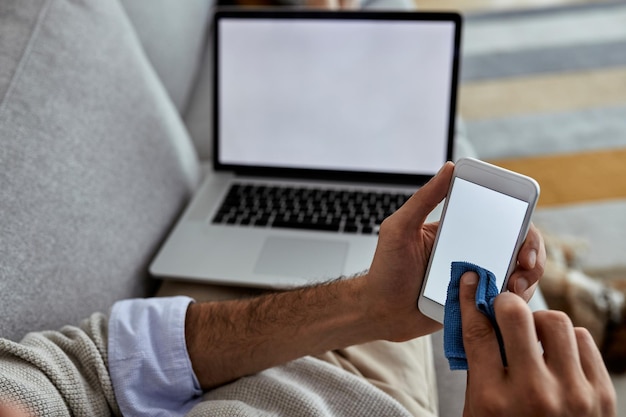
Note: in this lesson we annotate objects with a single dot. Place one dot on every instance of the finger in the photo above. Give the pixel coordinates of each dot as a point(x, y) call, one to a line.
point(518, 333)
point(531, 262)
point(531, 248)
point(595, 370)
point(590, 357)
point(560, 349)
point(479, 337)
point(419, 206)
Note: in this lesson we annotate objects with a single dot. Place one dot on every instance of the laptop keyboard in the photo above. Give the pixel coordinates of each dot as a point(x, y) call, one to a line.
point(346, 211)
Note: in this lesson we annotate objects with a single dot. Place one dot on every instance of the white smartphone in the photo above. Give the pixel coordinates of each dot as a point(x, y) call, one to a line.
point(485, 220)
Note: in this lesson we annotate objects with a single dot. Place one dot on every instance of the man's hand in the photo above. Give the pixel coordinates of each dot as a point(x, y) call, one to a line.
point(227, 340)
point(568, 379)
point(404, 247)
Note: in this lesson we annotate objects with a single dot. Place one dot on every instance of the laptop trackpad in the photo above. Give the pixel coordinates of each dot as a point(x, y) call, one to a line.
point(306, 258)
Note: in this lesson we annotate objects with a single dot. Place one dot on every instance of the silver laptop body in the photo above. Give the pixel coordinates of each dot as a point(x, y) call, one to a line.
point(311, 106)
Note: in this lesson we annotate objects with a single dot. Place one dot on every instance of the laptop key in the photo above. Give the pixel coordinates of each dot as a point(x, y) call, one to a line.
point(367, 230)
point(306, 226)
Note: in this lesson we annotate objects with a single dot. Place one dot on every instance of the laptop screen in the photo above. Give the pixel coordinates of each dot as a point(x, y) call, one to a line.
point(360, 92)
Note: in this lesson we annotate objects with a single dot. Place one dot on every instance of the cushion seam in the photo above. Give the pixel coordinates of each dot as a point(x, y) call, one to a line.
point(19, 69)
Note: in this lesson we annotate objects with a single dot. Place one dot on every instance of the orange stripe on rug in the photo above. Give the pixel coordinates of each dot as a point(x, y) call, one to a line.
point(574, 178)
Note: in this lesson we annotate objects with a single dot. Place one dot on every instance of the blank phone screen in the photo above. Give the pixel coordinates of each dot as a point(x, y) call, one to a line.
point(481, 226)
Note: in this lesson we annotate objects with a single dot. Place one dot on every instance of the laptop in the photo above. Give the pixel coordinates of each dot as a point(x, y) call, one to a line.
point(325, 122)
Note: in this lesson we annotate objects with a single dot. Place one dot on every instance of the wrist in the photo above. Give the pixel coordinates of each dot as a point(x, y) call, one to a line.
point(345, 318)
point(364, 310)
point(391, 309)
point(373, 322)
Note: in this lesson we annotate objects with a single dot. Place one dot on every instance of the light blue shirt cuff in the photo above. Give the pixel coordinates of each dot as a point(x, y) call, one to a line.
point(148, 360)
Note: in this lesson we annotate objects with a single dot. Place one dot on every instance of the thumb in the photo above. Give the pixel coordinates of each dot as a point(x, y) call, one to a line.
point(479, 337)
point(419, 206)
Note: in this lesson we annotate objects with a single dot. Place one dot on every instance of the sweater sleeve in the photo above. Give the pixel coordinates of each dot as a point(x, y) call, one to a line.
point(59, 373)
point(148, 360)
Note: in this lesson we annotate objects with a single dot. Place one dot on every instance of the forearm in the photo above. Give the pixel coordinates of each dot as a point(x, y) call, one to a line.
point(228, 340)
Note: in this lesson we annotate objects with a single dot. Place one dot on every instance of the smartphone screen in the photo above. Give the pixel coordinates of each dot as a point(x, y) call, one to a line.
point(481, 226)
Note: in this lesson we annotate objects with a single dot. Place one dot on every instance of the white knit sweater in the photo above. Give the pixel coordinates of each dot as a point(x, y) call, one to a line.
point(65, 373)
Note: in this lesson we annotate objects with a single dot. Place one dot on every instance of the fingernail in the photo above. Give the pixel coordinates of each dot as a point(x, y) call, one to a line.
point(532, 258)
point(469, 278)
point(521, 285)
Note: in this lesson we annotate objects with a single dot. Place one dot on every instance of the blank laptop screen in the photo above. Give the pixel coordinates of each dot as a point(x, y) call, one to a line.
point(335, 94)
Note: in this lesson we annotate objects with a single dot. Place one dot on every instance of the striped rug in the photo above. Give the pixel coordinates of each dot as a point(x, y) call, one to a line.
point(548, 82)
point(543, 92)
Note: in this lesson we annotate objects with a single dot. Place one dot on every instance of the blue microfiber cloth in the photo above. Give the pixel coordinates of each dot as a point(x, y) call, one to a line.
point(485, 297)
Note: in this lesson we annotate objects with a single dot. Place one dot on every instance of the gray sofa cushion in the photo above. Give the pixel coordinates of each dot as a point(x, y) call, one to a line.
point(95, 163)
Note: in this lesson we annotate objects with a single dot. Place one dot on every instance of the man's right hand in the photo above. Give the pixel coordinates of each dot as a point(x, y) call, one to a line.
point(567, 379)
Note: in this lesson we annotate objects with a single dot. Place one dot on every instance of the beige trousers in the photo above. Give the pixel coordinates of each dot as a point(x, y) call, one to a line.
point(405, 371)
